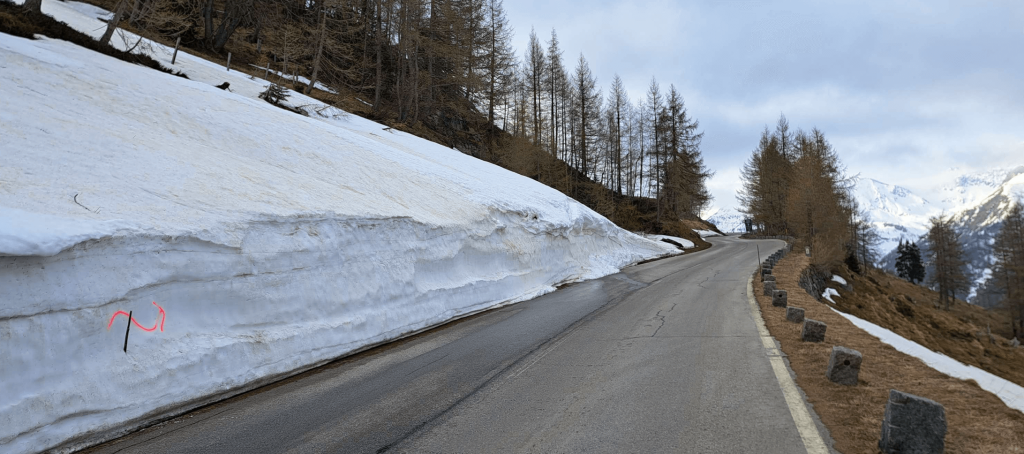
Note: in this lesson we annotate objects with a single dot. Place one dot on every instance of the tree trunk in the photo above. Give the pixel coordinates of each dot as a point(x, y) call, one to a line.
point(227, 27)
point(112, 24)
point(319, 53)
point(379, 76)
point(208, 23)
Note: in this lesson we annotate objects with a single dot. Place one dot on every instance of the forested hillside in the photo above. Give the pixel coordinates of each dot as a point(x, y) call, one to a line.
point(445, 70)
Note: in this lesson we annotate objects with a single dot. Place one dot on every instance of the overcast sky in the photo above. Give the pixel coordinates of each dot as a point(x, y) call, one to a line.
point(906, 91)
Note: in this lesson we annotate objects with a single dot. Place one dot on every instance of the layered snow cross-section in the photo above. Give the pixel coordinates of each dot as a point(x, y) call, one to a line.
point(269, 242)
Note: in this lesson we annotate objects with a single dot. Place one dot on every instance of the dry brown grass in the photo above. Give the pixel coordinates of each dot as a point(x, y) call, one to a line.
point(910, 311)
point(978, 422)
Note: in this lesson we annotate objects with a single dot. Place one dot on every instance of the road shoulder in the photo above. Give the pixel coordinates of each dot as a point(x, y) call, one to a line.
point(977, 420)
point(812, 431)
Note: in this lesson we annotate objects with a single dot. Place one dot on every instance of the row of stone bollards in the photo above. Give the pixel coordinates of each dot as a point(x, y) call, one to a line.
point(912, 424)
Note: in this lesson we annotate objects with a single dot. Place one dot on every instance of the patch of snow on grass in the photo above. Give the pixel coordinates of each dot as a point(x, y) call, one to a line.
point(839, 279)
point(707, 233)
point(1010, 393)
point(829, 293)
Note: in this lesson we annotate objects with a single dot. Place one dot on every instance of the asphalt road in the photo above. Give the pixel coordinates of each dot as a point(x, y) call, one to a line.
point(662, 357)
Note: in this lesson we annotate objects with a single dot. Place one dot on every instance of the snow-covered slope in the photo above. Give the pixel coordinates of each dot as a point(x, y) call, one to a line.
point(247, 241)
point(894, 211)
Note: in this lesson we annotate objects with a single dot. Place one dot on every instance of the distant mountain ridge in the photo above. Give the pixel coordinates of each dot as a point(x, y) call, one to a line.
point(895, 212)
point(977, 202)
point(977, 223)
point(968, 189)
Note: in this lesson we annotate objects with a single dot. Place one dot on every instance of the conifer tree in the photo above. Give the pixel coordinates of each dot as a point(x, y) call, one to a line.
point(499, 55)
point(684, 172)
point(655, 127)
point(903, 261)
point(917, 270)
point(946, 256)
point(640, 129)
point(588, 104)
point(618, 101)
point(865, 242)
point(555, 80)
point(1009, 270)
point(817, 205)
point(765, 177)
point(535, 69)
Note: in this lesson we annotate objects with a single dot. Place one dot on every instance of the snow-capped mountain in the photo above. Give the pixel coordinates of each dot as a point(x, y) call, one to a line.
point(894, 211)
point(728, 220)
point(978, 203)
point(978, 227)
point(969, 189)
point(978, 223)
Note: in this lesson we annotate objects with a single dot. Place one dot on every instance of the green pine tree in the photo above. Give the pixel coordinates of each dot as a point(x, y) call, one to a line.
point(916, 265)
point(903, 261)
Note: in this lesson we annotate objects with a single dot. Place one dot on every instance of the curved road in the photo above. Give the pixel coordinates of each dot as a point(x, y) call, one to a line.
point(662, 357)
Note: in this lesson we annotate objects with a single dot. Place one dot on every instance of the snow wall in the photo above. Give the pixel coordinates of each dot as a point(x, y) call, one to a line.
point(249, 243)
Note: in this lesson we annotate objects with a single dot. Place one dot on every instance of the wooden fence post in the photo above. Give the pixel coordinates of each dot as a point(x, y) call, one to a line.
point(176, 44)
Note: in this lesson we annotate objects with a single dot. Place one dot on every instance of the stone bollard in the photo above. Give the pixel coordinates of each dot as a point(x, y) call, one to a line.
point(912, 424)
point(765, 271)
point(779, 298)
point(769, 278)
point(769, 287)
point(795, 314)
point(814, 331)
point(844, 366)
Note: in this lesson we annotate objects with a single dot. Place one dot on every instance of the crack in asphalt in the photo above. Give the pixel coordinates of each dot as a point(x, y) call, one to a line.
point(706, 279)
point(661, 318)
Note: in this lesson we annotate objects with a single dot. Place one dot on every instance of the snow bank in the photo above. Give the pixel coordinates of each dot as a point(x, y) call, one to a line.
point(839, 279)
point(247, 241)
point(1009, 392)
point(707, 233)
point(685, 243)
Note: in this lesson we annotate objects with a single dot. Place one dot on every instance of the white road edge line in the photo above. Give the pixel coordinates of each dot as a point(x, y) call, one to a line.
point(801, 417)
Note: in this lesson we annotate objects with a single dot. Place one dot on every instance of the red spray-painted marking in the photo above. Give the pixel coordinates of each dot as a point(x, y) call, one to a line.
point(158, 324)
